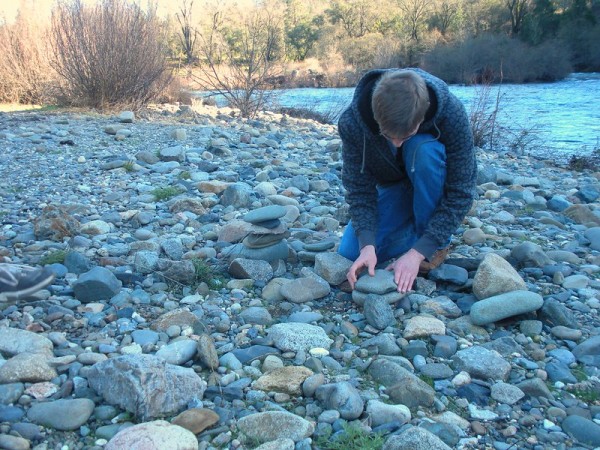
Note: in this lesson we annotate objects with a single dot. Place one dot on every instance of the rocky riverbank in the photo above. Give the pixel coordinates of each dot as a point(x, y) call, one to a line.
point(199, 301)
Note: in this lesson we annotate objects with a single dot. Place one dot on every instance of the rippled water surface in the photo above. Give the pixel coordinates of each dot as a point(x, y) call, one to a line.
point(565, 116)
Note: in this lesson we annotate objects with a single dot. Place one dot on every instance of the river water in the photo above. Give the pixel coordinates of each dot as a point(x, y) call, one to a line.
point(555, 120)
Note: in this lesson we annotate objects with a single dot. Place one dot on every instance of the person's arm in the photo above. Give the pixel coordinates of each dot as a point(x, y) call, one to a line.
point(359, 182)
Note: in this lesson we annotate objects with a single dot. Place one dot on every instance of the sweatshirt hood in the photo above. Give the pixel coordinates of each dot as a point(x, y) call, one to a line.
point(434, 84)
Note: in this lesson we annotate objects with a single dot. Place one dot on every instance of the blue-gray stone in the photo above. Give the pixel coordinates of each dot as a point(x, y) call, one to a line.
point(237, 195)
point(563, 355)
point(416, 347)
point(588, 352)
point(342, 397)
point(385, 344)
point(555, 313)
point(482, 363)
point(506, 305)
point(145, 337)
point(378, 312)
point(11, 413)
point(475, 393)
point(588, 193)
point(145, 385)
point(558, 371)
point(271, 253)
point(59, 270)
point(256, 315)
point(64, 415)
point(529, 254)
point(10, 392)
point(305, 317)
point(96, 285)
point(449, 274)
point(29, 431)
point(401, 385)
point(265, 213)
point(415, 438)
point(445, 346)
point(320, 246)
point(437, 371)
point(77, 263)
point(558, 203)
point(381, 283)
point(249, 354)
point(583, 430)
point(593, 235)
point(173, 248)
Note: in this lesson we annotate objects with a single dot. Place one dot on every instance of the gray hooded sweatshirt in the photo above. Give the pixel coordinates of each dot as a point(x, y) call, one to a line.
point(368, 161)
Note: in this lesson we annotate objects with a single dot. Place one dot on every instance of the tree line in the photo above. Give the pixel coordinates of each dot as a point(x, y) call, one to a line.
point(111, 52)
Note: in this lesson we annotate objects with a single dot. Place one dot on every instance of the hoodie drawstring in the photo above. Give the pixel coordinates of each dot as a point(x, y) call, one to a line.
point(364, 158)
point(439, 133)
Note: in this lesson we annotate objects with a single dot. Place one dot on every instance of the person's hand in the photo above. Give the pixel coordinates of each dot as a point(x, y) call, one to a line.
point(368, 259)
point(406, 269)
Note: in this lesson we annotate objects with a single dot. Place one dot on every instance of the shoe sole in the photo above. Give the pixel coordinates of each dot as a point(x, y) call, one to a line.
point(24, 293)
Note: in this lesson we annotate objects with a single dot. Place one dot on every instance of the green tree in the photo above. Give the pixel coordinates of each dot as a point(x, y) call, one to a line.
point(301, 38)
point(541, 24)
point(356, 17)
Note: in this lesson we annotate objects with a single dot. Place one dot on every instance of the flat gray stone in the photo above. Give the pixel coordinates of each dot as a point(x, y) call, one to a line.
point(582, 429)
point(14, 341)
point(482, 363)
point(256, 270)
point(271, 425)
point(332, 267)
point(298, 336)
point(493, 309)
point(64, 415)
point(306, 289)
point(392, 297)
point(381, 283)
point(378, 312)
point(342, 397)
point(588, 352)
point(265, 213)
point(96, 285)
point(506, 393)
point(146, 385)
point(415, 438)
point(402, 386)
point(156, 435)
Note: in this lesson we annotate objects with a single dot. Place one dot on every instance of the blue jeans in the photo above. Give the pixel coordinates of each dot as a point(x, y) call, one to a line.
point(405, 207)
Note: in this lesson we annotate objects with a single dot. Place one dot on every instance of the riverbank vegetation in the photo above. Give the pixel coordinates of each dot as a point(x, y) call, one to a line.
point(105, 53)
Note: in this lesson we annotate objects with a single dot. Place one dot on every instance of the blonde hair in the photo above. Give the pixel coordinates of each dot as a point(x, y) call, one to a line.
point(400, 101)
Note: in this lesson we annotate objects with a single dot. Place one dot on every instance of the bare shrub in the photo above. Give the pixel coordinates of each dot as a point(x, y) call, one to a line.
point(237, 62)
point(25, 72)
point(109, 53)
point(483, 115)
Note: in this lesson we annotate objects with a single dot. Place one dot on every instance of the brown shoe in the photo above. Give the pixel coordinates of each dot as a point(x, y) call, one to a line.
point(436, 260)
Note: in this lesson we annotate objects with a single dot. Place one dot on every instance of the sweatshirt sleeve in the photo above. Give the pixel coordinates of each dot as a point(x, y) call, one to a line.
point(360, 184)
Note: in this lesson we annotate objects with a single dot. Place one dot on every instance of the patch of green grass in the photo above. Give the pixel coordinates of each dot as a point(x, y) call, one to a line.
point(353, 438)
point(55, 257)
point(185, 175)
point(129, 166)
point(165, 193)
point(427, 379)
point(579, 373)
point(587, 395)
point(206, 274)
